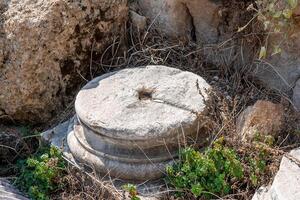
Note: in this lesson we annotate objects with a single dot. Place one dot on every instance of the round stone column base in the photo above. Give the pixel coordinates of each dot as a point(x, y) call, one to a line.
point(131, 123)
point(106, 164)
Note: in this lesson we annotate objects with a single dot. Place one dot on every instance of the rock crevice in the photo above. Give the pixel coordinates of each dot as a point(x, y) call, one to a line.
point(192, 20)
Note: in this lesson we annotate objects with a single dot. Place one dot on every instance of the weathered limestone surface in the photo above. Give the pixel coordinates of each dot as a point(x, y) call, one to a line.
point(130, 122)
point(263, 117)
point(169, 16)
point(44, 45)
point(179, 18)
point(286, 185)
point(262, 194)
point(57, 135)
point(112, 104)
point(9, 192)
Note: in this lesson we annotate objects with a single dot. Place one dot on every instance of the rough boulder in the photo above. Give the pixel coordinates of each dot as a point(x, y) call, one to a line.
point(44, 46)
point(263, 118)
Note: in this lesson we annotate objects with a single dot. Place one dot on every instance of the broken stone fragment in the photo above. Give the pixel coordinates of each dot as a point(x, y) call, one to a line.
point(131, 123)
point(263, 118)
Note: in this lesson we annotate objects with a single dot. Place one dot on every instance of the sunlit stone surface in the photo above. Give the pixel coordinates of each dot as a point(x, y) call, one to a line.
point(130, 123)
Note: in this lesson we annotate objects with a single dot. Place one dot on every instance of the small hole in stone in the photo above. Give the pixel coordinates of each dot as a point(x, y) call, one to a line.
point(145, 93)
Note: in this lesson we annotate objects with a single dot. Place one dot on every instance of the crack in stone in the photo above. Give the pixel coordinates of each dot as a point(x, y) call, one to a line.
point(293, 159)
point(174, 105)
point(193, 27)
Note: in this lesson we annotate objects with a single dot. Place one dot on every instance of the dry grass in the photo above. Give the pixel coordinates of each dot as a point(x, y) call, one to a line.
point(14, 144)
point(82, 186)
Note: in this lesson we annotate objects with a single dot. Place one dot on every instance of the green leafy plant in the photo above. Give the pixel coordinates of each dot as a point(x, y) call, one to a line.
point(257, 165)
point(205, 174)
point(277, 19)
point(257, 162)
point(40, 174)
point(264, 139)
point(131, 189)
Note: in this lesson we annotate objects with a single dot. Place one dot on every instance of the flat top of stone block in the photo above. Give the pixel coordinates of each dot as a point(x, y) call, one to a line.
point(142, 103)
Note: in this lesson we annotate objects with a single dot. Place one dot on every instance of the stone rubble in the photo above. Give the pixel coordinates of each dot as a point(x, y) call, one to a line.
point(201, 21)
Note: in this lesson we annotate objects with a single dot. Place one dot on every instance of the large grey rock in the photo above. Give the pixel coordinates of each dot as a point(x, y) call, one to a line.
point(45, 47)
point(281, 71)
point(286, 184)
point(131, 122)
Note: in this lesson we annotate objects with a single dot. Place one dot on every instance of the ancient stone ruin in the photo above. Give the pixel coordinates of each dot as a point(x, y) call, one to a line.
point(132, 122)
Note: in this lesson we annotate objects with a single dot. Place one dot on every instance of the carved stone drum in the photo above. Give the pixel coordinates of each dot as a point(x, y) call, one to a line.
point(131, 123)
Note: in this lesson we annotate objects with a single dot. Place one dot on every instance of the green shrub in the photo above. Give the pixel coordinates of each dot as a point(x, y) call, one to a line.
point(131, 189)
point(204, 174)
point(257, 162)
point(40, 174)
